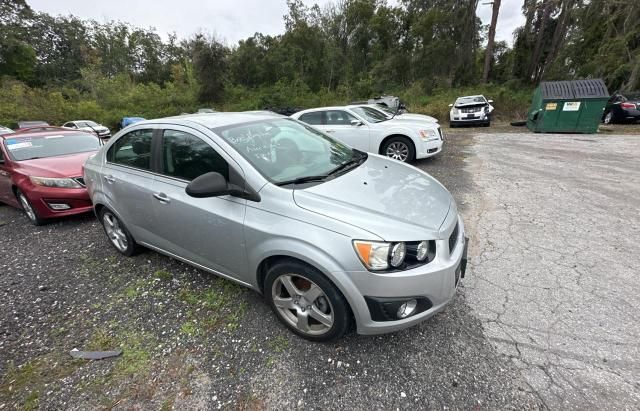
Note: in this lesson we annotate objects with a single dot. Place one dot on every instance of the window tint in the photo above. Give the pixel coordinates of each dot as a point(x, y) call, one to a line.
point(338, 117)
point(314, 118)
point(133, 150)
point(187, 157)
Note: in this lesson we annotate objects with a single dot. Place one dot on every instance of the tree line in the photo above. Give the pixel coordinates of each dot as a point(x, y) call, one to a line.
point(346, 49)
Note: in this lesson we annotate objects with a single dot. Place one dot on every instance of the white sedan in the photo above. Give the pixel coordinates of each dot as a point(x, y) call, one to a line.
point(370, 130)
point(90, 126)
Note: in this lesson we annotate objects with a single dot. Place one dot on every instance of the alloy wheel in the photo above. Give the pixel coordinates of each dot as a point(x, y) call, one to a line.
point(27, 207)
point(115, 232)
point(398, 151)
point(608, 118)
point(302, 304)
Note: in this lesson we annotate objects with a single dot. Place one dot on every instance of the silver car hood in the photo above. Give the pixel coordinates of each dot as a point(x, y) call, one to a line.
point(394, 201)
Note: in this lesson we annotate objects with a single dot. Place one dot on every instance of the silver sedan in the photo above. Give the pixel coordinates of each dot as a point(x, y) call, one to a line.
point(329, 234)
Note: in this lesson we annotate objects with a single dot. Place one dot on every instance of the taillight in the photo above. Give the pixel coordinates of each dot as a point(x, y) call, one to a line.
point(627, 105)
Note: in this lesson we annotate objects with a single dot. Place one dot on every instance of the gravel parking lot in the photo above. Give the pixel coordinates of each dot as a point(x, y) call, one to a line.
point(547, 316)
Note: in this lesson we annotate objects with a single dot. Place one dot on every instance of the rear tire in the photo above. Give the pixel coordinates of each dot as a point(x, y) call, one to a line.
point(28, 209)
point(306, 302)
point(119, 236)
point(608, 118)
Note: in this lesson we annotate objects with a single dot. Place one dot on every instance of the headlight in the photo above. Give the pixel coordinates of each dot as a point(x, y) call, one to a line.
point(55, 182)
point(428, 134)
point(380, 256)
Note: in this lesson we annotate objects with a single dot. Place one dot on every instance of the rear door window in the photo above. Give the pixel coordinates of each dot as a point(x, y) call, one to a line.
point(314, 118)
point(132, 150)
point(339, 117)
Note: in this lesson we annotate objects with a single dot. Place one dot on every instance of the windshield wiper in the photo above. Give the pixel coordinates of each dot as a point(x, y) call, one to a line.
point(355, 160)
point(300, 180)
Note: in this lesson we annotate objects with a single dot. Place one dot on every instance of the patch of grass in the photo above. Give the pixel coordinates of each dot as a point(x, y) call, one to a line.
point(234, 318)
point(32, 401)
point(167, 405)
point(136, 354)
point(271, 361)
point(135, 289)
point(189, 328)
point(23, 383)
point(164, 275)
point(220, 303)
point(279, 344)
point(102, 340)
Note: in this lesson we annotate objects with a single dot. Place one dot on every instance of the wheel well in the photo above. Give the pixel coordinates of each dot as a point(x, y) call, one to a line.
point(387, 138)
point(97, 209)
point(269, 262)
point(14, 188)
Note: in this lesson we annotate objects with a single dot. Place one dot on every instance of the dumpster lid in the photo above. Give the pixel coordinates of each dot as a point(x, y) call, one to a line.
point(591, 88)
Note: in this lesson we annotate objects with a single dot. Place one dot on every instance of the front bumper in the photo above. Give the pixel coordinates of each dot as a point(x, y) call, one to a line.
point(41, 198)
point(429, 148)
point(456, 121)
point(436, 282)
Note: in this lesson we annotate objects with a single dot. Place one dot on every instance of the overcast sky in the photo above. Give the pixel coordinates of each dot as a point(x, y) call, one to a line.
point(228, 20)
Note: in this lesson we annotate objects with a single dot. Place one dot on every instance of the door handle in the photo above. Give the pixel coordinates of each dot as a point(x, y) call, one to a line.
point(162, 197)
point(330, 131)
point(110, 179)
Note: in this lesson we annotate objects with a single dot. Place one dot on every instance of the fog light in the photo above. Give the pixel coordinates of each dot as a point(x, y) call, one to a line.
point(423, 249)
point(407, 309)
point(59, 206)
point(398, 252)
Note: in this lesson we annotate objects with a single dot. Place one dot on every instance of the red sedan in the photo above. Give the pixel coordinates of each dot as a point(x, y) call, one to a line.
point(41, 172)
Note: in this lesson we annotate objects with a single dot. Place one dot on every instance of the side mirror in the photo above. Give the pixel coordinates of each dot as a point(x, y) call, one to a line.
point(208, 185)
point(450, 105)
point(490, 101)
point(356, 123)
point(214, 184)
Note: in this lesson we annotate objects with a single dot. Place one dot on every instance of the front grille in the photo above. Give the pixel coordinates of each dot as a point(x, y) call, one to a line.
point(80, 180)
point(453, 239)
point(471, 109)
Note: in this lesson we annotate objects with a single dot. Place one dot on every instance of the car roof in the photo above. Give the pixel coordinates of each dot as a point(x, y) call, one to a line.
point(39, 133)
point(215, 120)
point(327, 108)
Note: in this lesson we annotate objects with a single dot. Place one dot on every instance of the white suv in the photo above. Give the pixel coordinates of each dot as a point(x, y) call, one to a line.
point(370, 130)
point(470, 110)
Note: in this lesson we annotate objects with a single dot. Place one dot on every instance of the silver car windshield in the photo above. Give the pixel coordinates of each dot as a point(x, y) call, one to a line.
point(284, 149)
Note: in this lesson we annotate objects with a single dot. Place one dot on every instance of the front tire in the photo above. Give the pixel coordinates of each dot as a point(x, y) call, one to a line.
point(29, 211)
point(118, 235)
point(399, 148)
point(306, 301)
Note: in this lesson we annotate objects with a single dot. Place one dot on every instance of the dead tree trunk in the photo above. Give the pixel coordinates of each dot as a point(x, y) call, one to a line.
point(492, 35)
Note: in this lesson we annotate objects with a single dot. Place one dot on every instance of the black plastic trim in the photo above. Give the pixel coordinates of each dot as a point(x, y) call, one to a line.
point(386, 308)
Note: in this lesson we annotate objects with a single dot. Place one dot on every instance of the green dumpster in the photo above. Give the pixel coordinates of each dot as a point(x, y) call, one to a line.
point(567, 106)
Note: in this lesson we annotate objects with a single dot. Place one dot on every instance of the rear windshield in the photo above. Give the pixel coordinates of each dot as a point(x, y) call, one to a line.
point(50, 145)
point(87, 124)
